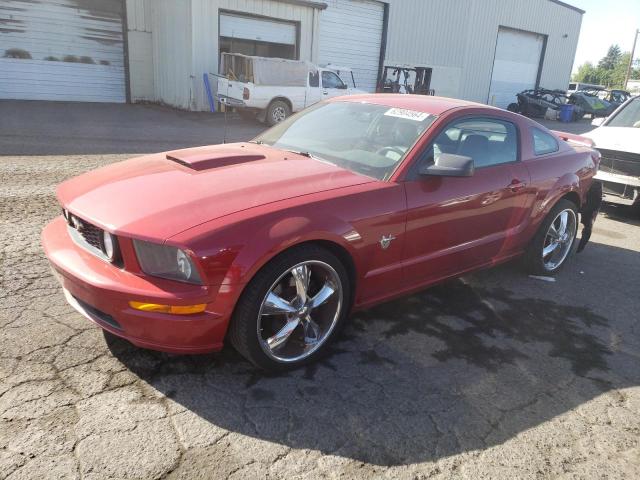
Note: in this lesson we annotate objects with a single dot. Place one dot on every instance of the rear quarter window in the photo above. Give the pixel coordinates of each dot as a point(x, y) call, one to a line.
point(543, 143)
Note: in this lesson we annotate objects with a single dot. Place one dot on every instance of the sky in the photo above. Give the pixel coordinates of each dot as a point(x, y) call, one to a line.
point(606, 22)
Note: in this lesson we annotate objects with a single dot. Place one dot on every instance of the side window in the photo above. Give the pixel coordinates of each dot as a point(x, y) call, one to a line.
point(543, 143)
point(314, 79)
point(488, 141)
point(331, 80)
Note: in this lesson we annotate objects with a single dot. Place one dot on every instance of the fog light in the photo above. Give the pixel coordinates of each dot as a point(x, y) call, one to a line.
point(173, 309)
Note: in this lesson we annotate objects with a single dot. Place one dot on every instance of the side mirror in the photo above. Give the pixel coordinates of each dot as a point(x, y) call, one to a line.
point(449, 165)
point(343, 86)
point(596, 122)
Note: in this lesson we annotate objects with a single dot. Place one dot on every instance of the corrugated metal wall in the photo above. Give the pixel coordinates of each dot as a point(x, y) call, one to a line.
point(172, 52)
point(430, 33)
point(458, 38)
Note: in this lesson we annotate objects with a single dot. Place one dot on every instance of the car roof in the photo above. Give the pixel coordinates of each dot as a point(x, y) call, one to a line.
point(421, 103)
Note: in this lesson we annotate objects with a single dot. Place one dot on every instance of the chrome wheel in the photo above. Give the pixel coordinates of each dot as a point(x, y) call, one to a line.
point(278, 114)
point(559, 239)
point(300, 311)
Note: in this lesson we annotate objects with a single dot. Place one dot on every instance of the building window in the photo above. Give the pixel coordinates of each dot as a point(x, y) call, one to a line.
point(260, 49)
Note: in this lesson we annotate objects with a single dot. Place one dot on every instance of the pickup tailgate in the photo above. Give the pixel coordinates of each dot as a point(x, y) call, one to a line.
point(230, 91)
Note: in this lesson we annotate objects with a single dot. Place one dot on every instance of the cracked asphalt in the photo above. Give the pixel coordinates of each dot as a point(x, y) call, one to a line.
point(495, 375)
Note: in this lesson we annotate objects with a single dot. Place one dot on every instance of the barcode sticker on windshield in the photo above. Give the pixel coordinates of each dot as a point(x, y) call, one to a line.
point(408, 114)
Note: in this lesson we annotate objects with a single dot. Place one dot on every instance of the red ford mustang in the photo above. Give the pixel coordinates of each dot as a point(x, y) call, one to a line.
point(352, 202)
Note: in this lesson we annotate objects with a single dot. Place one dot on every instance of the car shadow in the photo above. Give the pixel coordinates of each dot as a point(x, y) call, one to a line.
point(620, 213)
point(463, 366)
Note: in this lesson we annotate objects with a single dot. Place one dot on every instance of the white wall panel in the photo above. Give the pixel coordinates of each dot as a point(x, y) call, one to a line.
point(351, 36)
point(141, 65)
point(172, 53)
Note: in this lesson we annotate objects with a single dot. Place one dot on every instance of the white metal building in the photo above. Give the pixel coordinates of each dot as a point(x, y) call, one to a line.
point(158, 50)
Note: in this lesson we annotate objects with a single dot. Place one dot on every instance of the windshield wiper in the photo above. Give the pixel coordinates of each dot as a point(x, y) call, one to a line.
point(306, 154)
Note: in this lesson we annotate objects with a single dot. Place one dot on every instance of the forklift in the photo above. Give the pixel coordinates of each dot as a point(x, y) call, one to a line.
point(405, 79)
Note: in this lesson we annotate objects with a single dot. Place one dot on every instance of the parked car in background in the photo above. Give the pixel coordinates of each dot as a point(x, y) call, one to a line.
point(354, 201)
point(618, 140)
point(271, 89)
point(577, 86)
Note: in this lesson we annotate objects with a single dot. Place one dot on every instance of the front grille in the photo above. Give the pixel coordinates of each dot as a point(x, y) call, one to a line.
point(621, 163)
point(91, 234)
point(89, 237)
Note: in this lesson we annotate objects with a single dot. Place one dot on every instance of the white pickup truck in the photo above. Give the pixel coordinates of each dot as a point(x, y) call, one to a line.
point(270, 89)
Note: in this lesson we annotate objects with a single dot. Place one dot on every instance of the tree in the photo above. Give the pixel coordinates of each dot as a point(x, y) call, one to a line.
point(586, 73)
point(611, 59)
point(611, 69)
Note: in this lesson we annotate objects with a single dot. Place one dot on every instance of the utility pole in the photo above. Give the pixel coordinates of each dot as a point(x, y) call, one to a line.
point(633, 51)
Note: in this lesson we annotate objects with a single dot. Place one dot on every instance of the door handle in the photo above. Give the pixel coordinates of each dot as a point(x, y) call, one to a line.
point(516, 185)
point(325, 93)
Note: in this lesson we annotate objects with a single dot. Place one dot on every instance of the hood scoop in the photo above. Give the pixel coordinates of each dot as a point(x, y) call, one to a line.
point(200, 159)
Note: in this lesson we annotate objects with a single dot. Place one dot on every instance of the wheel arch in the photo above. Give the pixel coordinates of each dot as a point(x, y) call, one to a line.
point(573, 197)
point(567, 186)
point(343, 254)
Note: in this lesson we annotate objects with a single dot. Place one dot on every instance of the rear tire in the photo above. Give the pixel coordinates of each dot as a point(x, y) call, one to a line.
point(277, 111)
point(552, 246)
point(271, 303)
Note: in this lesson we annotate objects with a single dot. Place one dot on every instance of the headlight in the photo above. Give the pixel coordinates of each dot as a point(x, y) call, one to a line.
point(108, 245)
point(166, 262)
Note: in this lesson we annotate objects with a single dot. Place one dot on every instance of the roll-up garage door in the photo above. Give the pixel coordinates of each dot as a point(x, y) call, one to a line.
point(516, 65)
point(257, 36)
point(62, 50)
point(351, 36)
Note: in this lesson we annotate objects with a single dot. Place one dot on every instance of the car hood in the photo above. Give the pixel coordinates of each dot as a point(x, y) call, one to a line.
point(160, 195)
point(623, 139)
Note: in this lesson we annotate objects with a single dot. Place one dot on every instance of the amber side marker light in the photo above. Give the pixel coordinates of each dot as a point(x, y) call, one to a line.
point(174, 309)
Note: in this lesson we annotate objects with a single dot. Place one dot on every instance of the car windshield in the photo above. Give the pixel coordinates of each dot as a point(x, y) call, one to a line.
point(629, 116)
point(362, 137)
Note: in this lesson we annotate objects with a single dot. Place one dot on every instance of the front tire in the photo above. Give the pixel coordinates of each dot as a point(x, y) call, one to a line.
point(292, 309)
point(555, 241)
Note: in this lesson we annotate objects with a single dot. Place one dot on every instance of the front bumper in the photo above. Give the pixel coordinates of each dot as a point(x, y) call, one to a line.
point(101, 292)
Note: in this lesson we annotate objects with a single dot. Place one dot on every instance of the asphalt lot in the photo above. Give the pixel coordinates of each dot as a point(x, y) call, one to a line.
point(495, 375)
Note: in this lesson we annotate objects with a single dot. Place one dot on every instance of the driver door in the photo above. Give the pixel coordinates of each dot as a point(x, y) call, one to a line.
point(332, 85)
point(457, 223)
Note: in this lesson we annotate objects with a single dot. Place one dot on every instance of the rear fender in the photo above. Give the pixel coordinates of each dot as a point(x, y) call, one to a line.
point(566, 184)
